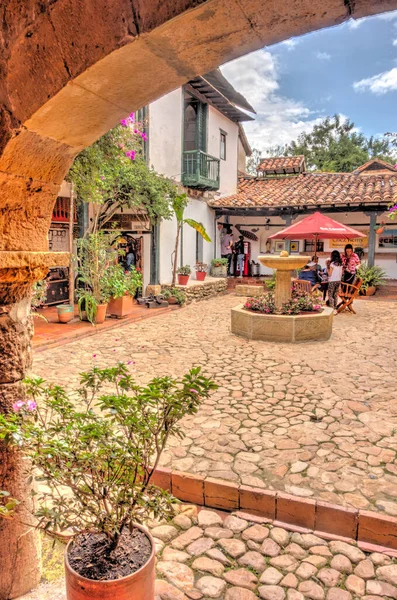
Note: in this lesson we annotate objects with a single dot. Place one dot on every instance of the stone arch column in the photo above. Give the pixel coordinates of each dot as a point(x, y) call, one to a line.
point(70, 70)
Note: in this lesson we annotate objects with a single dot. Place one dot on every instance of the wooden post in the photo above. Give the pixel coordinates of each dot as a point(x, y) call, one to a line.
point(71, 223)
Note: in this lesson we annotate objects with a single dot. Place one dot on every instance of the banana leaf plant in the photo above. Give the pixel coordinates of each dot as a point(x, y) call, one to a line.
point(179, 203)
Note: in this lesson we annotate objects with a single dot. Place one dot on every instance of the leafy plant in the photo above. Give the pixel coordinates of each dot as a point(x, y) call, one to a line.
point(96, 254)
point(271, 283)
point(371, 276)
point(96, 450)
point(177, 293)
point(118, 282)
point(39, 295)
point(7, 505)
point(179, 204)
point(185, 270)
point(219, 262)
point(201, 267)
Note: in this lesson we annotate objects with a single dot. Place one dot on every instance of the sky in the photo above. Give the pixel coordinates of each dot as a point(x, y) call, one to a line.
point(350, 69)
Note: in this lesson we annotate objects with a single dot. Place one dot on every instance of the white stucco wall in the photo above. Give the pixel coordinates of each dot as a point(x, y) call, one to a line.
point(384, 257)
point(228, 167)
point(165, 134)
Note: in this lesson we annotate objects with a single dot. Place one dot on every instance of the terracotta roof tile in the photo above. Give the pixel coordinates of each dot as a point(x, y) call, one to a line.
point(375, 164)
point(281, 164)
point(311, 189)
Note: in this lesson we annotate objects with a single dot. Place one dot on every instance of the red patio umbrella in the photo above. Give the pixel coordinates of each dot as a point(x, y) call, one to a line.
point(319, 227)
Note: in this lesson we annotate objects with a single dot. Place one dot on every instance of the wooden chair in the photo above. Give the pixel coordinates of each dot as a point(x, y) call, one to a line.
point(302, 285)
point(347, 293)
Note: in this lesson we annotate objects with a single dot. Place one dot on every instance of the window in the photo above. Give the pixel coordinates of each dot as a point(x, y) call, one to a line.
point(309, 246)
point(223, 145)
point(194, 124)
point(388, 239)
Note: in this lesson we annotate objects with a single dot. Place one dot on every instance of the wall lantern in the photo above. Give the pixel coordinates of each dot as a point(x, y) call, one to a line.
point(267, 223)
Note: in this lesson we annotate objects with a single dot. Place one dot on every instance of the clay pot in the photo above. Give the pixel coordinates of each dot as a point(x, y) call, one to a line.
point(370, 291)
point(183, 279)
point(65, 312)
point(137, 586)
point(120, 307)
point(172, 300)
point(200, 275)
point(380, 230)
point(101, 313)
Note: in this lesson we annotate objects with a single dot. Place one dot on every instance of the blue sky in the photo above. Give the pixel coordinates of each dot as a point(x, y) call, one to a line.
point(350, 69)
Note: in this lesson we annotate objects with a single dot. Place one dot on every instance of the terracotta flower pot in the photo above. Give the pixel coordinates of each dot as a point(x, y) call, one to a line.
point(137, 586)
point(172, 300)
point(370, 291)
point(120, 307)
point(65, 312)
point(200, 275)
point(101, 313)
point(183, 279)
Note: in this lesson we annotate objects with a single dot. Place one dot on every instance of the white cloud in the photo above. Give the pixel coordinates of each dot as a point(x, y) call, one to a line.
point(388, 16)
point(395, 42)
point(279, 120)
point(323, 55)
point(355, 23)
point(378, 84)
point(290, 44)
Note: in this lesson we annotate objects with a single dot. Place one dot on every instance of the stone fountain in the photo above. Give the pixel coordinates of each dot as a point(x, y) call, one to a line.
point(283, 265)
point(282, 328)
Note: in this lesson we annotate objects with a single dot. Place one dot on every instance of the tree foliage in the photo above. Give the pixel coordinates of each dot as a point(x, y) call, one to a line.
point(112, 174)
point(334, 145)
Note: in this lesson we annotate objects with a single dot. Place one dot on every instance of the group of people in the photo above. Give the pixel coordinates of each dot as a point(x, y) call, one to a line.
point(229, 248)
point(339, 269)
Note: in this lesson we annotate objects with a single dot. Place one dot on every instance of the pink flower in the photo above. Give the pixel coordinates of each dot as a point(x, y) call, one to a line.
point(144, 137)
point(124, 122)
point(94, 356)
point(129, 362)
point(131, 154)
point(132, 117)
point(18, 405)
point(193, 391)
point(31, 405)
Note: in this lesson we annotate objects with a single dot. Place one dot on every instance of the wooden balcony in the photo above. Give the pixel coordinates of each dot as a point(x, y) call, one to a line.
point(200, 170)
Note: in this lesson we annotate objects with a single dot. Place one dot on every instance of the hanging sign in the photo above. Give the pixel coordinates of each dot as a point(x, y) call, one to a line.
point(341, 242)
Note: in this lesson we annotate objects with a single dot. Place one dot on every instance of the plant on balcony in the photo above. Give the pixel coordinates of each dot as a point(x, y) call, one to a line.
point(96, 254)
point(179, 203)
point(96, 456)
point(121, 287)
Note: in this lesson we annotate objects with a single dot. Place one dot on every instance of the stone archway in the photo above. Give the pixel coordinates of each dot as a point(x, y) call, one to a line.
point(70, 69)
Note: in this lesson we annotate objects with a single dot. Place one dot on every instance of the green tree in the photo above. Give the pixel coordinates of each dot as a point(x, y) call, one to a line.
point(112, 174)
point(335, 146)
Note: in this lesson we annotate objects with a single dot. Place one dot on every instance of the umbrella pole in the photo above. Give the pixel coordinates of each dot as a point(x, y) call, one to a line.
point(315, 245)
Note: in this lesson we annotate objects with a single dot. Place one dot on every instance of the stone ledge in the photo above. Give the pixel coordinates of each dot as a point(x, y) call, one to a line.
point(201, 290)
point(282, 328)
point(20, 259)
point(250, 291)
point(372, 531)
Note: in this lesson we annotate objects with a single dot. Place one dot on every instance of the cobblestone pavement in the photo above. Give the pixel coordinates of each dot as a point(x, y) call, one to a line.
point(315, 419)
point(239, 557)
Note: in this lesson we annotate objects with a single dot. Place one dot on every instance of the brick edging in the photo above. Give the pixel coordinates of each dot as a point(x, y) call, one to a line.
point(365, 527)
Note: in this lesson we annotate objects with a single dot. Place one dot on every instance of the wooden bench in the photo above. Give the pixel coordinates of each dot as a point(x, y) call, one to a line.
point(347, 293)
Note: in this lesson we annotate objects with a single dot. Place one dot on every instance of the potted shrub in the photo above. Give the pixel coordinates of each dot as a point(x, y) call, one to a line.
point(174, 296)
point(372, 277)
point(95, 257)
point(183, 274)
point(96, 457)
point(219, 267)
point(201, 271)
point(121, 288)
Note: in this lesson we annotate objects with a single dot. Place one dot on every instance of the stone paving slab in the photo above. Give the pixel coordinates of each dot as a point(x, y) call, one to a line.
point(207, 554)
point(316, 420)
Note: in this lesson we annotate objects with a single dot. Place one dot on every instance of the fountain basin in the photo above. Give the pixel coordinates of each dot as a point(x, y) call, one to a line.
point(282, 328)
point(284, 263)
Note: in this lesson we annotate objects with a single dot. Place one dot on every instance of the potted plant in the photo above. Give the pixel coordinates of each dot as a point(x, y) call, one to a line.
point(201, 271)
point(219, 267)
point(65, 312)
point(179, 204)
point(372, 278)
point(183, 274)
point(121, 288)
point(96, 457)
point(174, 296)
point(95, 256)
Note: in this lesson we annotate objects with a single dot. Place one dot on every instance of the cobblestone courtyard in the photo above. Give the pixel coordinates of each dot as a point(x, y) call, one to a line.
point(315, 419)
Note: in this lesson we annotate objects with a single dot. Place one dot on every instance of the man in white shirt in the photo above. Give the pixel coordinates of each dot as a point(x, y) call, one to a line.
point(226, 248)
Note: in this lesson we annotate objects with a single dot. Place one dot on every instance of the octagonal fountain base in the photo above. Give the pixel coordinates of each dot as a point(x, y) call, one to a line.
point(282, 328)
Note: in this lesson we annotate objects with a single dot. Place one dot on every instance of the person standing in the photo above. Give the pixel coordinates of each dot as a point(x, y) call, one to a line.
point(239, 250)
point(334, 279)
point(130, 259)
point(351, 262)
point(226, 248)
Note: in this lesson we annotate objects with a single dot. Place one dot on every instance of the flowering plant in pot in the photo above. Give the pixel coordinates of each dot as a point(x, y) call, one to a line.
point(183, 274)
point(174, 296)
point(121, 286)
point(96, 453)
point(201, 271)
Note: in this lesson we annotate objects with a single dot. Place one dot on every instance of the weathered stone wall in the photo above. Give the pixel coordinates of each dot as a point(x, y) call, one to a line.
point(202, 291)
